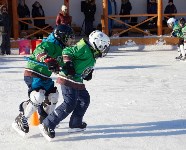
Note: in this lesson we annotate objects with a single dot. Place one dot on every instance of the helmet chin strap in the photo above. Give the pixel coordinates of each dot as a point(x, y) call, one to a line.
point(97, 52)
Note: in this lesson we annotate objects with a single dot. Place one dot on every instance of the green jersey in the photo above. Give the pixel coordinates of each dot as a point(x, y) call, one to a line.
point(82, 57)
point(184, 33)
point(36, 63)
point(177, 30)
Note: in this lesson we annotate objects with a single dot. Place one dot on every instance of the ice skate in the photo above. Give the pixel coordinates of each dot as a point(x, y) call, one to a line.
point(80, 128)
point(183, 58)
point(48, 133)
point(179, 57)
point(21, 125)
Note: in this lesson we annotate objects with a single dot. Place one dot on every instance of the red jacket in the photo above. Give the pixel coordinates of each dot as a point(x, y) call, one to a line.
point(61, 19)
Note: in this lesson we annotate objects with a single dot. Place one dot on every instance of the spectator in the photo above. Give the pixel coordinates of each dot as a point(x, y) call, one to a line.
point(152, 9)
point(23, 12)
point(5, 22)
point(170, 9)
point(113, 6)
point(37, 11)
point(126, 7)
point(63, 17)
point(112, 10)
point(89, 11)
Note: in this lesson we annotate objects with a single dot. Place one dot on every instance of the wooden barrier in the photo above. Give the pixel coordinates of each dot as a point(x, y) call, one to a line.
point(165, 30)
point(117, 41)
point(148, 40)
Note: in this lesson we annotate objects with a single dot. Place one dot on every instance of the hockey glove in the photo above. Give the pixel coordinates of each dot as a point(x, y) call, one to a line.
point(89, 76)
point(52, 64)
point(173, 34)
point(69, 68)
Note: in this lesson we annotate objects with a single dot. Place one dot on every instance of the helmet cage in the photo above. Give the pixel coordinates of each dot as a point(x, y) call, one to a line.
point(101, 52)
point(60, 36)
point(63, 36)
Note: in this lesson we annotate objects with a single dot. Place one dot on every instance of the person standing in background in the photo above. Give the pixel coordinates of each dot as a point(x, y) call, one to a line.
point(112, 10)
point(126, 7)
point(63, 17)
point(37, 11)
point(23, 12)
point(152, 9)
point(6, 24)
point(170, 9)
point(89, 11)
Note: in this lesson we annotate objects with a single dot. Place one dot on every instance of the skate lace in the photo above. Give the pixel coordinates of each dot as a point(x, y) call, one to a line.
point(51, 130)
point(24, 121)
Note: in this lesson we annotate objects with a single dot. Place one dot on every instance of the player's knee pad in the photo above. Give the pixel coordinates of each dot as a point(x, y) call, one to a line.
point(36, 98)
point(180, 42)
point(182, 50)
point(53, 97)
point(51, 101)
point(184, 45)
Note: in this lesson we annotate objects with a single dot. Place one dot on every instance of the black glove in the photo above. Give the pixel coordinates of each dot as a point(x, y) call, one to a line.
point(52, 64)
point(173, 34)
point(69, 68)
point(89, 76)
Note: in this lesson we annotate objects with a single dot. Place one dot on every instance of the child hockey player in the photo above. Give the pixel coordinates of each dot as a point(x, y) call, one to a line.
point(174, 25)
point(45, 59)
point(182, 24)
point(79, 61)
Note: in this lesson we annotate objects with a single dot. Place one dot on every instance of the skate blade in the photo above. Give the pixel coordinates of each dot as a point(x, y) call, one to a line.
point(76, 130)
point(19, 131)
point(44, 134)
point(183, 60)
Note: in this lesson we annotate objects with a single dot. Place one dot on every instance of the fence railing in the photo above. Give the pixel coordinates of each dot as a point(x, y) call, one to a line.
point(112, 17)
point(37, 29)
point(116, 18)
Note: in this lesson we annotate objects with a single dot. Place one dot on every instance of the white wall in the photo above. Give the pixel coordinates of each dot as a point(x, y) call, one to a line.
point(52, 7)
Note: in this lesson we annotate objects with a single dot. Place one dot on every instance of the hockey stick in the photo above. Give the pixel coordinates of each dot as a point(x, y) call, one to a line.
point(36, 62)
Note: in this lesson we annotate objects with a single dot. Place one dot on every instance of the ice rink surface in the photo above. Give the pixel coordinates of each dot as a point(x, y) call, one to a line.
point(138, 102)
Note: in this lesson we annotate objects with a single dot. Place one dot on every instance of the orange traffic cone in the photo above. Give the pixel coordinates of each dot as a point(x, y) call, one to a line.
point(34, 119)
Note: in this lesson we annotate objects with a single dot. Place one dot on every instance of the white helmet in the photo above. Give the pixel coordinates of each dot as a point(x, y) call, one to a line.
point(99, 41)
point(170, 22)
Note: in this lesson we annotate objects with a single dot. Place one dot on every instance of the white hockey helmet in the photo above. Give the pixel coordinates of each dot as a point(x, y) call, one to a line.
point(170, 22)
point(100, 42)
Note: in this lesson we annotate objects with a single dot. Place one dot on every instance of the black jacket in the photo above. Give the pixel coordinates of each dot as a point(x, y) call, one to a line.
point(23, 11)
point(170, 9)
point(89, 12)
point(5, 22)
point(38, 12)
point(125, 10)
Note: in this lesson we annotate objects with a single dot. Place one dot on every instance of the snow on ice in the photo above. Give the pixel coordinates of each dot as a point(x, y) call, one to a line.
point(137, 103)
